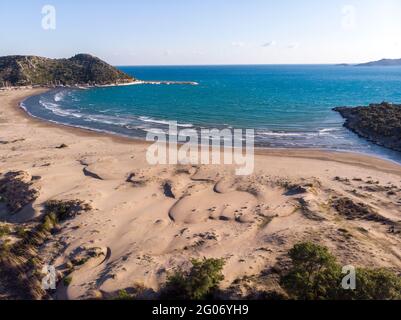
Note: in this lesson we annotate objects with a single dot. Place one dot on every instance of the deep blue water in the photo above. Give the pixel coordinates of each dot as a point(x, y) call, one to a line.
point(288, 106)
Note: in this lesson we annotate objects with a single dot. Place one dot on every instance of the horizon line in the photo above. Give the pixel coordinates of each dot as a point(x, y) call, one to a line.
point(215, 64)
point(235, 64)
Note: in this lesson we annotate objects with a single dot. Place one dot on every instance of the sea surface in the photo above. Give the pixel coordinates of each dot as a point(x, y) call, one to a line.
point(287, 105)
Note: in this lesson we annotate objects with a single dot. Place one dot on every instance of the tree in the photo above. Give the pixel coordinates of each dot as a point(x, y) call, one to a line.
point(316, 275)
point(198, 283)
point(376, 284)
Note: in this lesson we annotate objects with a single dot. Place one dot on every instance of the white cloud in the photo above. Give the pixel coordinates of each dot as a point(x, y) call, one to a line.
point(294, 45)
point(238, 44)
point(198, 53)
point(269, 44)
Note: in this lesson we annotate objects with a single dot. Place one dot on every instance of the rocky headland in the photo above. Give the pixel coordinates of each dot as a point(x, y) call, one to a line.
point(82, 69)
point(379, 123)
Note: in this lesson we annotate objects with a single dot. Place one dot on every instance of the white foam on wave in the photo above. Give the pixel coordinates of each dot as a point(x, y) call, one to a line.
point(104, 119)
point(328, 130)
point(281, 134)
point(59, 96)
point(306, 134)
point(23, 106)
point(166, 122)
point(154, 131)
point(55, 108)
point(159, 126)
point(113, 120)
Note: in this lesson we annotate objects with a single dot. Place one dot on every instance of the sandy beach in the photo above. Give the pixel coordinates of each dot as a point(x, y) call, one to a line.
point(148, 220)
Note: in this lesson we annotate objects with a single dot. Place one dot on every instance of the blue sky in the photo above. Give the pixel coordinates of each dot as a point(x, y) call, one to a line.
point(154, 32)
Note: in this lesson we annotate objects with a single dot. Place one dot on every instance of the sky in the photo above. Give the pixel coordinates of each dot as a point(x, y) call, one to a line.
point(198, 32)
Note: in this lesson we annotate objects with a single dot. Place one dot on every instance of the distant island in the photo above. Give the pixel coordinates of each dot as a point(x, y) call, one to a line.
point(382, 63)
point(82, 69)
point(379, 123)
point(378, 63)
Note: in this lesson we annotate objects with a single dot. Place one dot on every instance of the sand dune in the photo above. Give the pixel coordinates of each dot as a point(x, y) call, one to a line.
point(147, 220)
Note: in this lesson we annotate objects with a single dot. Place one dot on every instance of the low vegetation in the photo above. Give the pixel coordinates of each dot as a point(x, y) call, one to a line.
point(17, 190)
point(316, 275)
point(353, 211)
point(200, 282)
point(67, 281)
point(4, 230)
point(61, 210)
point(123, 295)
point(20, 265)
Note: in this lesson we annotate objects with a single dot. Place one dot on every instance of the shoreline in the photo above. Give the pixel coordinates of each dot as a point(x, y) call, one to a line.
point(69, 128)
point(87, 86)
point(342, 156)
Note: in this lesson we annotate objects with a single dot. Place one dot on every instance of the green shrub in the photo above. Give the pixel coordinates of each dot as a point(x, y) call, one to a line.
point(375, 284)
point(64, 210)
point(21, 232)
point(316, 275)
point(4, 231)
point(49, 222)
point(123, 295)
point(198, 283)
point(67, 281)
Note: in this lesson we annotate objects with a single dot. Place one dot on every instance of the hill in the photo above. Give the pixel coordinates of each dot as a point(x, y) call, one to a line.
point(80, 69)
point(381, 63)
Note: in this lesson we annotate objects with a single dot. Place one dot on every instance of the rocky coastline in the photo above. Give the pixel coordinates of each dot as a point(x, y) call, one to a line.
point(378, 123)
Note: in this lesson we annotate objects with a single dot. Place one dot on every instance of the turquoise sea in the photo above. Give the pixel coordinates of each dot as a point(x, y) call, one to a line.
point(287, 105)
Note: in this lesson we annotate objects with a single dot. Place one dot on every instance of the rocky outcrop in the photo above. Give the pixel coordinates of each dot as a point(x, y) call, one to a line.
point(379, 123)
